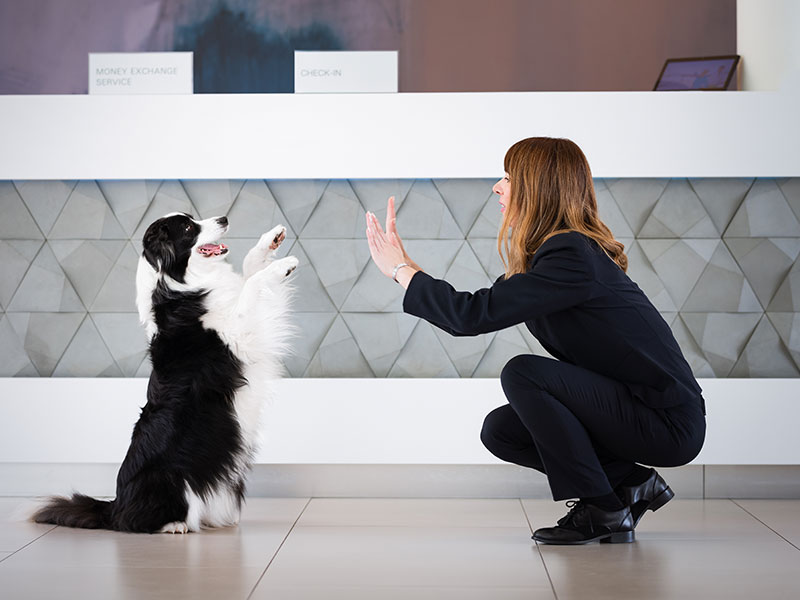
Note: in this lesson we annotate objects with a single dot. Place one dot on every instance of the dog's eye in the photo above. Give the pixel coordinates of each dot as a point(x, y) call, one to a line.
point(189, 227)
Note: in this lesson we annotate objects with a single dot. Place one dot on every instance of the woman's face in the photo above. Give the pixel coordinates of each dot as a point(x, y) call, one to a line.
point(503, 189)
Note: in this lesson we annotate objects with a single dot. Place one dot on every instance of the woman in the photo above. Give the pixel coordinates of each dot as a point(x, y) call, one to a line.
point(620, 393)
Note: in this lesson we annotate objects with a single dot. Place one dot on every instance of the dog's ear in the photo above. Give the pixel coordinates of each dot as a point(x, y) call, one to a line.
point(159, 250)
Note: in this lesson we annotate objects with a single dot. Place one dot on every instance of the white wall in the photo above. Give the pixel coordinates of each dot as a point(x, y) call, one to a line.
point(768, 40)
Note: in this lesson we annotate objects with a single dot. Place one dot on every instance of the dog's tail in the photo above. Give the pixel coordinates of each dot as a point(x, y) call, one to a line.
point(79, 511)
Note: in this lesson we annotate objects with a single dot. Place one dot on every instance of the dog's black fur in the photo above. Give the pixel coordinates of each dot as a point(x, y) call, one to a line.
point(187, 433)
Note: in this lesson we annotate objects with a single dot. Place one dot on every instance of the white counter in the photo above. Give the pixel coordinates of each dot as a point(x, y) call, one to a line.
point(275, 136)
point(365, 421)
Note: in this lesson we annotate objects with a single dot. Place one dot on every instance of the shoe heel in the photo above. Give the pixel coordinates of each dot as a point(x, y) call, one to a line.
point(661, 499)
point(621, 537)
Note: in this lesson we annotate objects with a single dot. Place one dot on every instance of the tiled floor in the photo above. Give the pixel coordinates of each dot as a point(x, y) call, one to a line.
point(299, 548)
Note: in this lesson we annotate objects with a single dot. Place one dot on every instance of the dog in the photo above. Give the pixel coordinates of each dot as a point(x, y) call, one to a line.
point(216, 339)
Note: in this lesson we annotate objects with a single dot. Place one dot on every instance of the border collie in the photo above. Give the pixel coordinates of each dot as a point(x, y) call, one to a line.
point(216, 339)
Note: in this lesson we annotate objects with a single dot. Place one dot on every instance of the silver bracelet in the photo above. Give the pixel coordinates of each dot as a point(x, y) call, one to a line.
point(397, 268)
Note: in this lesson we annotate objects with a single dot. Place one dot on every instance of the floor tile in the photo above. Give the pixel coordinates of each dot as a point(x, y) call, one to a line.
point(674, 569)
point(45, 582)
point(402, 556)
point(783, 516)
point(405, 593)
point(705, 520)
point(391, 548)
point(264, 525)
point(15, 531)
point(393, 512)
point(688, 549)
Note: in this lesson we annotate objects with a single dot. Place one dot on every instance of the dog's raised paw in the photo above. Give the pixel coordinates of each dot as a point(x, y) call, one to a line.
point(291, 265)
point(273, 238)
point(175, 527)
point(278, 240)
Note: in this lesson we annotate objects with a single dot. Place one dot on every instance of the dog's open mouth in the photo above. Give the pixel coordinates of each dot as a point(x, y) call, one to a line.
point(212, 249)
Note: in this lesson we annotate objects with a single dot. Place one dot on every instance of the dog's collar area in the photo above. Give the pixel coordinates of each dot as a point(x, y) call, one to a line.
point(212, 249)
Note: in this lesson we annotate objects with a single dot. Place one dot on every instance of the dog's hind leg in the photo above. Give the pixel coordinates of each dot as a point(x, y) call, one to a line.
point(263, 253)
point(193, 519)
point(175, 527)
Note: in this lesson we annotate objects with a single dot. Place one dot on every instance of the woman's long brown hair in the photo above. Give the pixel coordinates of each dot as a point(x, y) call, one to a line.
point(551, 192)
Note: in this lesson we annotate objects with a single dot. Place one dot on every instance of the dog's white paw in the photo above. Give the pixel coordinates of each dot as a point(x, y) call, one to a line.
point(273, 238)
point(288, 264)
point(175, 527)
point(276, 272)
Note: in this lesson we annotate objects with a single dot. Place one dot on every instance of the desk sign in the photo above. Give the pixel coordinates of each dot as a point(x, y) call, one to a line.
point(141, 73)
point(339, 71)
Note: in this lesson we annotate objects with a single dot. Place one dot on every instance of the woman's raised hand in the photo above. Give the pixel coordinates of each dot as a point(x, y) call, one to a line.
point(386, 248)
point(391, 231)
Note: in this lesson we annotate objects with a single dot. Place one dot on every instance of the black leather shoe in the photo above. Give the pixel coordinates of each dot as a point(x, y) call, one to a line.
point(585, 523)
point(650, 495)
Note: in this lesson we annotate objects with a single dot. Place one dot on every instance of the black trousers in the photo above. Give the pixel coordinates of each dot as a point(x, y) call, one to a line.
point(585, 431)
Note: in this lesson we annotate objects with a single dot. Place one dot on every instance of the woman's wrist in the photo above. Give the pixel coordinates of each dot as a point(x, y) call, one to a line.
point(396, 268)
point(405, 273)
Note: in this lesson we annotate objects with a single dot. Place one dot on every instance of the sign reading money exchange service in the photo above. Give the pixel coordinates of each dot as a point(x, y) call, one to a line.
point(141, 73)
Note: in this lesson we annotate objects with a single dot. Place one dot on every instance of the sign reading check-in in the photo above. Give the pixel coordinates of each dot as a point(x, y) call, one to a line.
point(345, 71)
point(141, 73)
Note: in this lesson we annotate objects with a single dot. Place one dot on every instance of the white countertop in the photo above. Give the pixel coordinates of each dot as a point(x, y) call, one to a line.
point(294, 136)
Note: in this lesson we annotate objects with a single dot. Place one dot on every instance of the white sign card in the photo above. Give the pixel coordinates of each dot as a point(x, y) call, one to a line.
point(333, 71)
point(141, 73)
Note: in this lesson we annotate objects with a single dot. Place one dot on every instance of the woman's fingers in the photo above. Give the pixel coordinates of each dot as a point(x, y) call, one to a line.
point(373, 222)
point(374, 230)
point(389, 236)
point(390, 214)
point(391, 225)
point(374, 250)
point(396, 236)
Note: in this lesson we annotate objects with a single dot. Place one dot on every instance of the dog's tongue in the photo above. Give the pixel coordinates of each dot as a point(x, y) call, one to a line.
point(212, 249)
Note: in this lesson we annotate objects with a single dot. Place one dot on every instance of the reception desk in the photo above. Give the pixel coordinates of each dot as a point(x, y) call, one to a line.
point(380, 421)
point(386, 136)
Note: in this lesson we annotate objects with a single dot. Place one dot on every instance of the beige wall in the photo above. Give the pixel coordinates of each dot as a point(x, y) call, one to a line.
point(570, 45)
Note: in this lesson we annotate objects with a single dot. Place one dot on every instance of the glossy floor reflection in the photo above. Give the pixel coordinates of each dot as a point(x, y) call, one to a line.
point(300, 548)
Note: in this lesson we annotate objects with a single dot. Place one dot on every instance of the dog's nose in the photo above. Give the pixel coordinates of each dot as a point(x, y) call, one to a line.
point(223, 221)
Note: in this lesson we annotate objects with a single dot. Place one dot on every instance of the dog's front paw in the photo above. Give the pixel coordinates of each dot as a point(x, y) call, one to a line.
point(276, 272)
point(289, 264)
point(273, 238)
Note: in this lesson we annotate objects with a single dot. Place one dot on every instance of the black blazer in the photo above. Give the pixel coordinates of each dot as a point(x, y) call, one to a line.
point(582, 308)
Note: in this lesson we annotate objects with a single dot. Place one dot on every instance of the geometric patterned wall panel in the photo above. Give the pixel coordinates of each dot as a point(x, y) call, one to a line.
point(717, 257)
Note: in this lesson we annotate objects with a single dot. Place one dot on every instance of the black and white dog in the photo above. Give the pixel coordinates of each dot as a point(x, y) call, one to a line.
point(216, 339)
